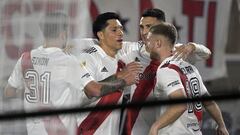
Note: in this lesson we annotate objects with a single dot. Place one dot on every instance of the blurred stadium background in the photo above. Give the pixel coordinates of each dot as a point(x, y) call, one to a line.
point(214, 23)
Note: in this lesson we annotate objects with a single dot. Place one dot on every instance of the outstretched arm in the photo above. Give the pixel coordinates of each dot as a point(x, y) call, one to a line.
point(191, 52)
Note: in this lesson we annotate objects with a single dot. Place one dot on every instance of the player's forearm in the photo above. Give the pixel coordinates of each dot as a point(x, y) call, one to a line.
point(112, 86)
point(110, 78)
point(10, 91)
point(170, 115)
point(99, 89)
point(215, 112)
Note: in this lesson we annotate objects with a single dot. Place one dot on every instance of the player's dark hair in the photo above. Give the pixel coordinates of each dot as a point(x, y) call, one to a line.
point(101, 22)
point(167, 30)
point(54, 23)
point(154, 12)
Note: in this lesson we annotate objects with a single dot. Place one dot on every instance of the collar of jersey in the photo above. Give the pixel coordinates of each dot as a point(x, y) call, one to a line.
point(166, 60)
point(102, 52)
point(50, 49)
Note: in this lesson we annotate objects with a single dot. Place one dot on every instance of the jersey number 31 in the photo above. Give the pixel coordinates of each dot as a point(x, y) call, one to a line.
point(38, 85)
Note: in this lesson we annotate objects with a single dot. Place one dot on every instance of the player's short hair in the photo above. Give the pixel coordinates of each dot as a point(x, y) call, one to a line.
point(101, 22)
point(154, 12)
point(165, 29)
point(53, 24)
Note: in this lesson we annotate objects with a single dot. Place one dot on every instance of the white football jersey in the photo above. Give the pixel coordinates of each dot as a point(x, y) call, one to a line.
point(54, 80)
point(80, 45)
point(101, 66)
point(130, 52)
point(135, 51)
point(168, 81)
point(146, 116)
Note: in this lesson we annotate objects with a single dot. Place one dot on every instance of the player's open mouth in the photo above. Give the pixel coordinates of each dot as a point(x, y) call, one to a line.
point(119, 40)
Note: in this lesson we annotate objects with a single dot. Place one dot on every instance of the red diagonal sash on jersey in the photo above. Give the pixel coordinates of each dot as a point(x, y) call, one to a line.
point(144, 87)
point(26, 62)
point(91, 123)
point(53, 125)
point(184, 81)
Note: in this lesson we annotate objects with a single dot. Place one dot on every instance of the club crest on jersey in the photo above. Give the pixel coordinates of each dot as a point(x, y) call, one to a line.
point(104, 69)
point(83, 64)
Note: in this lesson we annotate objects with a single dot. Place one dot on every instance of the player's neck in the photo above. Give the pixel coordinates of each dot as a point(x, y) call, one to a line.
point(154, 56)
point(164, 56)
point(52, 43)
point(109, 51)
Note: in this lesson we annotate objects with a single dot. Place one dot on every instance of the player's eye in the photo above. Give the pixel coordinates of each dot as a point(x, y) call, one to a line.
point(114, 30)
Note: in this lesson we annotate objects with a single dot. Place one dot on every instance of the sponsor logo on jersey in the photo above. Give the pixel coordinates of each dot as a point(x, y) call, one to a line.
point(146, 76)
point(194, 126)
point(104, 69)
point(173, 83)
point(91, 50)
point(86, 75)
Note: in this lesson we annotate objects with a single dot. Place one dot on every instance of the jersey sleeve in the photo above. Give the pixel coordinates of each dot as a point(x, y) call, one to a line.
point(78, 75)
point(201, 53)
point(80, 45)
point(88, 66)
point(89, 62)
point(168, 80)
point(16, 78)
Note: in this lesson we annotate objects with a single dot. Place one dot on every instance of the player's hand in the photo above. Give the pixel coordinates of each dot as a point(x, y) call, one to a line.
point(153, 130)
point(134, 67)
point(130, 73)
point(183, 51)
point(222, 131)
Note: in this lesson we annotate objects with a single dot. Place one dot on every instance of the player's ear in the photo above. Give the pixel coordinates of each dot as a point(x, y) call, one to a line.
point(100, 35)
point(159, 43)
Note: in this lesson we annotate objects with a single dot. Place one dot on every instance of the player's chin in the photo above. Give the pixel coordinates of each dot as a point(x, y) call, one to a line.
point(119, 44)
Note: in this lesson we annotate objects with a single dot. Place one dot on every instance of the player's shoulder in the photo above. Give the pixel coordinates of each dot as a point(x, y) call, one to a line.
point(85, 41)
point(63, 59)
point(165, 71)
point(91, 54)
point(91, 51)
point(80, 44)
point(168, 67)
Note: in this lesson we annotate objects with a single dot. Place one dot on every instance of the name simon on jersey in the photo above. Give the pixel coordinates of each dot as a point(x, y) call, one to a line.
point(40, 61)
